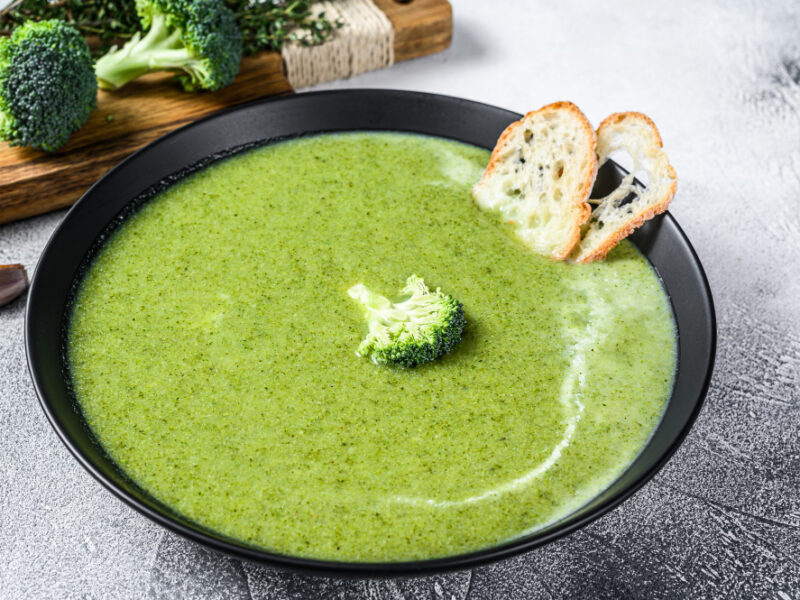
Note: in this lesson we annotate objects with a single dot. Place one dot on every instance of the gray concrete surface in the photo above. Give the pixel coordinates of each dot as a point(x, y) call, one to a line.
point(722, 520)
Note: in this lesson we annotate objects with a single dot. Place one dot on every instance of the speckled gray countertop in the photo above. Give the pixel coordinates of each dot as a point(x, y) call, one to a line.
point(722, 520)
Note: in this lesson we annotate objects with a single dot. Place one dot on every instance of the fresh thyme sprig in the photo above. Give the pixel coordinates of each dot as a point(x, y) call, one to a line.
point(104, 19)
point(266, 25)
point(269, 24)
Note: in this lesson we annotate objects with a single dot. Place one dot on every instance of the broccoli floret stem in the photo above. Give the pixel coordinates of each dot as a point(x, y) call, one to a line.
point(410, 332)
point(160, 49)
point(6, 120)
point(383, 313)
point(415, 286)
point(377, 305)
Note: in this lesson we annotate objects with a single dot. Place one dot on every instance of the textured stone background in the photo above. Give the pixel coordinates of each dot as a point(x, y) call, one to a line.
point(722, 520)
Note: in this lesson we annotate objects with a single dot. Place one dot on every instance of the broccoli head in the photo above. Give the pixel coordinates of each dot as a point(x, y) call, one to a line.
point(47, 85)
point(199, 39)
point(413, 331)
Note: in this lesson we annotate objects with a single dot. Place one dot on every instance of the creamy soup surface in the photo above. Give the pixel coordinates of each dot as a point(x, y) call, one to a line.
point(212, 350)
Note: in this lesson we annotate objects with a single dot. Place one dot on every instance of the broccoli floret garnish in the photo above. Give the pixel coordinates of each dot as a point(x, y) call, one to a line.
point(47, 85)
point(413, 331)
point(199, 39)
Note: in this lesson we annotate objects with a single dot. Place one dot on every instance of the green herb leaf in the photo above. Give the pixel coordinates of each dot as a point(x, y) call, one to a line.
point(265, 25)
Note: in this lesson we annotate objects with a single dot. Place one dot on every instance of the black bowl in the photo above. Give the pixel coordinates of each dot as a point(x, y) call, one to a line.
point(661, 240)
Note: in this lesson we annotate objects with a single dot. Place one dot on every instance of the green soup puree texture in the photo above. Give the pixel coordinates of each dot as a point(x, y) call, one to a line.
point(212, 351)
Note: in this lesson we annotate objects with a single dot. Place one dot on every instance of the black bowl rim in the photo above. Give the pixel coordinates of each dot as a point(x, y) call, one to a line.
point(507, 549)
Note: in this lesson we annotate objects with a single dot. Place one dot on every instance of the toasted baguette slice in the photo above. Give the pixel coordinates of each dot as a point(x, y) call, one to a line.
point(540, 175)
point(614, 218)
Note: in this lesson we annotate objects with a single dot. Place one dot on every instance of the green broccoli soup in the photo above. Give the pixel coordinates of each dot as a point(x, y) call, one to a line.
point(212, 348)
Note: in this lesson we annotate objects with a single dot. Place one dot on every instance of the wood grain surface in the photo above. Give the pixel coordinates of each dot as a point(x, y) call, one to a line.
point(33, 182)
point(421, 27)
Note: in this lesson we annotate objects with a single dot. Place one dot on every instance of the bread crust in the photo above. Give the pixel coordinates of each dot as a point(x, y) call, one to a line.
point(648, 212)
point(583, 209)
point(628, 228)
point(618, 117)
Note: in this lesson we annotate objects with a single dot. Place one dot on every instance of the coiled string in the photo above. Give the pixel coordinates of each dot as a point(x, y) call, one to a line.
point(365, 42)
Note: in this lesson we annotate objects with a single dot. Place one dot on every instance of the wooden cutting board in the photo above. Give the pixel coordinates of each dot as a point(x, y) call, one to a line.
point(33, 182)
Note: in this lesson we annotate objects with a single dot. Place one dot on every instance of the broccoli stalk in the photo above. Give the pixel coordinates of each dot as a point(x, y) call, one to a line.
point(197, 38)
point(47, 85)
point(413, 331)
point(159, 49)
